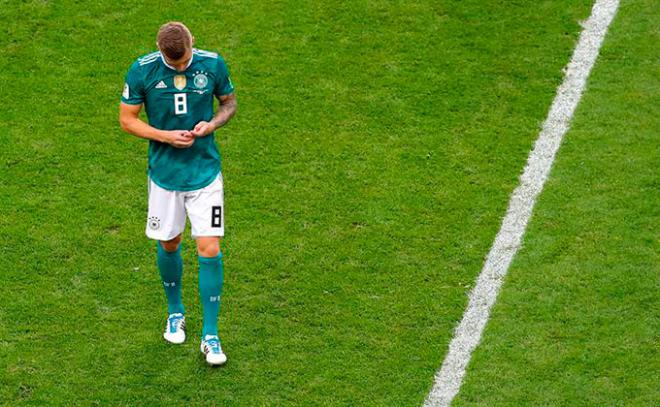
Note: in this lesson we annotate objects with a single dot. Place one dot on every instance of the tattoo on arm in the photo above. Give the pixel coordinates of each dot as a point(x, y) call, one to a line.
point(226, 110)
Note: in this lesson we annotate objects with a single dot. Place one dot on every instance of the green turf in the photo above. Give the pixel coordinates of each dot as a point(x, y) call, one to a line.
point(367, 170)
point(577, 322)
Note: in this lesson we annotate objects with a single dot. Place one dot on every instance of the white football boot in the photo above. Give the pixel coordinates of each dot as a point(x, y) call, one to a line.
point(210, 346)
point(175, 331)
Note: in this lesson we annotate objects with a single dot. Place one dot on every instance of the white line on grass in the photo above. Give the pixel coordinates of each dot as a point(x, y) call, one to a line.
point(468, 333)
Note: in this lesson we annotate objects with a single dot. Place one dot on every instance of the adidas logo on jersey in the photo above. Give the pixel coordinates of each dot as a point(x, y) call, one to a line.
point(161, 85)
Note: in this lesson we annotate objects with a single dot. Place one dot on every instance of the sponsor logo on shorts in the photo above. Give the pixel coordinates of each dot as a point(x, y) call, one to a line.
point(154, 223)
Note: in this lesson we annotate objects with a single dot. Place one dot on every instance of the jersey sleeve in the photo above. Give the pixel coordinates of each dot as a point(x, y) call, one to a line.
point(133, 93)
point(223, 83)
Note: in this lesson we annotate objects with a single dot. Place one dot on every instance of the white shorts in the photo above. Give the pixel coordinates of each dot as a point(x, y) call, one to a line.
point(168, 210)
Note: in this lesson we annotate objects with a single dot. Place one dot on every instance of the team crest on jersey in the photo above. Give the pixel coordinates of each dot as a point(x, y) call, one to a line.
point(154, 223)
point(180, 82)
point(200, 80)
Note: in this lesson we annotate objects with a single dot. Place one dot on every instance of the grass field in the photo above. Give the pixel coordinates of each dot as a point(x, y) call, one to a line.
point(577, 322)
point(367, 171)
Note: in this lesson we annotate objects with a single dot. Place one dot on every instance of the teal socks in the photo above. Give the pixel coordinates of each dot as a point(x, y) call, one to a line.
point(210, 289)
point(170, 266)
point(211, 278)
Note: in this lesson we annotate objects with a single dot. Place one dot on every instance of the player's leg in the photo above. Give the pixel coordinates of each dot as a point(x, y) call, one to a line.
point(211, 276)
point(205, 210)
point(165, 224)
point(171, 246)
point(208, 246)
point(170, 266)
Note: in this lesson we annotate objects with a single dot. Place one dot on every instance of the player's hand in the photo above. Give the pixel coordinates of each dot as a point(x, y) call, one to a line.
point(179, 138)
point(203, 129)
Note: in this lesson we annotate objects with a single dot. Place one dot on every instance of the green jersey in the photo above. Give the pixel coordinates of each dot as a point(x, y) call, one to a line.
point(176, 100)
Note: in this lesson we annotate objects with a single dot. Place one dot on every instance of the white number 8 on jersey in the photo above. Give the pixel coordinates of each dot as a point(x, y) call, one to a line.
point(180, 103)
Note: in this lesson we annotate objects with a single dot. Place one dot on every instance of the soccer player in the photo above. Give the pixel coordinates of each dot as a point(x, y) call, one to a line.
point(176, 85)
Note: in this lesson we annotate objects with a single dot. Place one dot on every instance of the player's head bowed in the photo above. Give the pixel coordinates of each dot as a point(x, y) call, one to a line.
point(174, 40)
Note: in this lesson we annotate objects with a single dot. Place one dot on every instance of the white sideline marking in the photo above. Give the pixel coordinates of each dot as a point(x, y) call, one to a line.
point(468, 333)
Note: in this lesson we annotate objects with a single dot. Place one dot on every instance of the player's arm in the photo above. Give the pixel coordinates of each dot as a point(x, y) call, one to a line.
point(129, 119)
point(226, 110)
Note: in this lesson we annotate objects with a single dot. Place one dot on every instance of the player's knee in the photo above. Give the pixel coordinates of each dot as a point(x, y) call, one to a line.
point(171, 245)
point(209, 251)
point(208, 248)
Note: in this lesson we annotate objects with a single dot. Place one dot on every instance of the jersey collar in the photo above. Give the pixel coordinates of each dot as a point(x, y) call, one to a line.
point(173, 68)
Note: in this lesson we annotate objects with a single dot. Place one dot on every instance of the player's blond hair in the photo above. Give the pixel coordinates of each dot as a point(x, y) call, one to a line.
point(174, 39)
